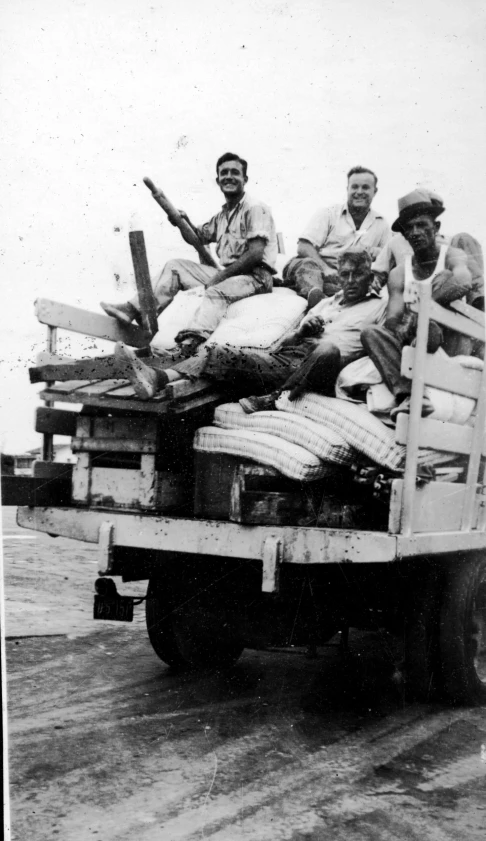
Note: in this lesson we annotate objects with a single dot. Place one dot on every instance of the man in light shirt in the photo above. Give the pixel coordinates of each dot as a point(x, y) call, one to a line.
point(333, 230)
point(327, 339)
point(246, 244)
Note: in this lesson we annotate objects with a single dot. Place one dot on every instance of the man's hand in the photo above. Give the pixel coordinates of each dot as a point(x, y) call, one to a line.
point(312, 325)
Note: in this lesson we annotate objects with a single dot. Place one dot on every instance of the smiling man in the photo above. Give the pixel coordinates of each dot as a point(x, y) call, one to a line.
point(246, 244)
point(333, 230)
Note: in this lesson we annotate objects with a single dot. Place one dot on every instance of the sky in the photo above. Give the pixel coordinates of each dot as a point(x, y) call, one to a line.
point(97, 94)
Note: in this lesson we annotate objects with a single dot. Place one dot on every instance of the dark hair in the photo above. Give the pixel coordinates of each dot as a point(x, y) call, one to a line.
point(358, 256)
point(358, 170)
point(229, 156)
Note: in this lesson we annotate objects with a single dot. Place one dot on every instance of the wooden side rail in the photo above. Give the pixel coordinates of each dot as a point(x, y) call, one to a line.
point(446, 506)
point(99, 326)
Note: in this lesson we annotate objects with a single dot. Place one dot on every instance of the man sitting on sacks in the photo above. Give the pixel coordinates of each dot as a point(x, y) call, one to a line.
point(246, 240)
point(397, 249)
point(335, 229)
point(444, 265)
point(328, 338)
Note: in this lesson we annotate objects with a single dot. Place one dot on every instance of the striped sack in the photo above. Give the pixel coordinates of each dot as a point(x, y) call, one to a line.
point(291, 460)
point(362, 430)
point(325, 443)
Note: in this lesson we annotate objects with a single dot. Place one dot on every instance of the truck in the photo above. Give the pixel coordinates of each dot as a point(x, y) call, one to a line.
point(238, 556)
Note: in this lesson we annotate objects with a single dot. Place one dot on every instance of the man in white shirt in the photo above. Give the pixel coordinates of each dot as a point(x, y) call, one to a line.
point(327, 339)
point(333, 230)
point(246, 244)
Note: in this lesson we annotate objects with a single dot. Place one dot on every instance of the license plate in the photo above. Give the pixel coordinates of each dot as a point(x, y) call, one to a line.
point(119, 609)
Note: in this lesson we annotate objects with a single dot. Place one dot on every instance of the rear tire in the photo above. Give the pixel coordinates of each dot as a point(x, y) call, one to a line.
point(463, 633)
point(422, 645)
point(160, 624)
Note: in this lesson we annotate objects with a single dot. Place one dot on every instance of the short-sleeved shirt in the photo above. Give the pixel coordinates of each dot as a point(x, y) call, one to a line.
point(332, 230)
point(343, 323)
point(232, 228)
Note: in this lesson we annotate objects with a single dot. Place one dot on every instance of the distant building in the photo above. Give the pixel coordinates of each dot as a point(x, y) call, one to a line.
point(62, 453)
point(22, 464)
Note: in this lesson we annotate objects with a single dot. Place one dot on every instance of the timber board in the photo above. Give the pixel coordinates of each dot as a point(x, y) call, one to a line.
point(123, 397)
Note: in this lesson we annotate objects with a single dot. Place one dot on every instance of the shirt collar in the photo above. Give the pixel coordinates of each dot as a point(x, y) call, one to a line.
point(371, 212)
point(372, 293)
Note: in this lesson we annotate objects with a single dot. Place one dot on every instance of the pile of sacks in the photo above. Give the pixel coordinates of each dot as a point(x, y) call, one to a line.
point(302, 435)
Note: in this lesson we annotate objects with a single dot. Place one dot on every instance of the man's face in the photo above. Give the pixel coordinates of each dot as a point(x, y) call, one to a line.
point(420, 231)
point(355, 281)
point(231, 179)
point(361, 191)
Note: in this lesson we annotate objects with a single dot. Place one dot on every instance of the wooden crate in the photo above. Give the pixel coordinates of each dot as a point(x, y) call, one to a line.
point(231, 488)
point(115, 469)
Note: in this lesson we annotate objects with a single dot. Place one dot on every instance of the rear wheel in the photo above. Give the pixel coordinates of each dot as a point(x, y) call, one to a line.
point(160, 624)
point(191, 618)
point(422, 647)
point(463, 633)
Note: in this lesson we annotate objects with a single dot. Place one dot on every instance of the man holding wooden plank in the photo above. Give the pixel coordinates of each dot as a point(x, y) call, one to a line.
point(447, 269)
point(246, 244)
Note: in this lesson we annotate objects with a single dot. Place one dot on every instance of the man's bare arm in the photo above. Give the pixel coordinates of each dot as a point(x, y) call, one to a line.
point(456, 279)
point(245, 264)
point(396, 305)
point(306, 249)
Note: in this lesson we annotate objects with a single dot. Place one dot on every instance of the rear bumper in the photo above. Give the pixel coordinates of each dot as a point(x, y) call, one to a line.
point(285, 544)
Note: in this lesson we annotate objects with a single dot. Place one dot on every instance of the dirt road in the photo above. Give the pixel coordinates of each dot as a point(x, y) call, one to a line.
point(106, 743)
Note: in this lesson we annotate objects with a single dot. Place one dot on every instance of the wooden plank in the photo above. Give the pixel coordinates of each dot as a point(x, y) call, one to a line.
point(113, 486)
point(90, 323)
point(471, 312)
point(416, 398)
point(438, 435)
point(55, 421)
point(146, 300)
point(117, 428)
point(444, 374)
point(477, 444)
point(35, 491)
point(455, 321)
point(101, 387)
point(395, 511)
point(97, 368)
point(148, 482)
point(81, 479)
point(115, 400)
point(113, 445)
point(438, 506)
point(53, 470)
point(64, 388)
point(106, 401)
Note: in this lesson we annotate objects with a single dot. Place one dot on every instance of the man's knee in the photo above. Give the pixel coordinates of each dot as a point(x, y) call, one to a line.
point(370, 335)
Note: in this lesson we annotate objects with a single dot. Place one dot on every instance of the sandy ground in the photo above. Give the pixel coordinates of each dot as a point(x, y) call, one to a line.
point(106, 743)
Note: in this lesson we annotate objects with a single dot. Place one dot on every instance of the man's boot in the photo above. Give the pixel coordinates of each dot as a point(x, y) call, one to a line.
point(126, 313)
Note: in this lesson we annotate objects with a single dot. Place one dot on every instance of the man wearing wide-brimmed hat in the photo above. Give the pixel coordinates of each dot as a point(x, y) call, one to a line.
point(444, 265)
point(398, 248)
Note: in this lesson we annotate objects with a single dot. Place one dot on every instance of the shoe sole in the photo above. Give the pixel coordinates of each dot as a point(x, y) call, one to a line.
point(142, 387)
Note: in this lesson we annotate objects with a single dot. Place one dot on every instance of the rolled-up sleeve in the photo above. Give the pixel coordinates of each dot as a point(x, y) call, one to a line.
point(258, 223)
point(317, 229)
point(208, 231)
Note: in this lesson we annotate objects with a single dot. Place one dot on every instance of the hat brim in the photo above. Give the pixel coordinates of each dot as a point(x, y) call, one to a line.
point(413, 210)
